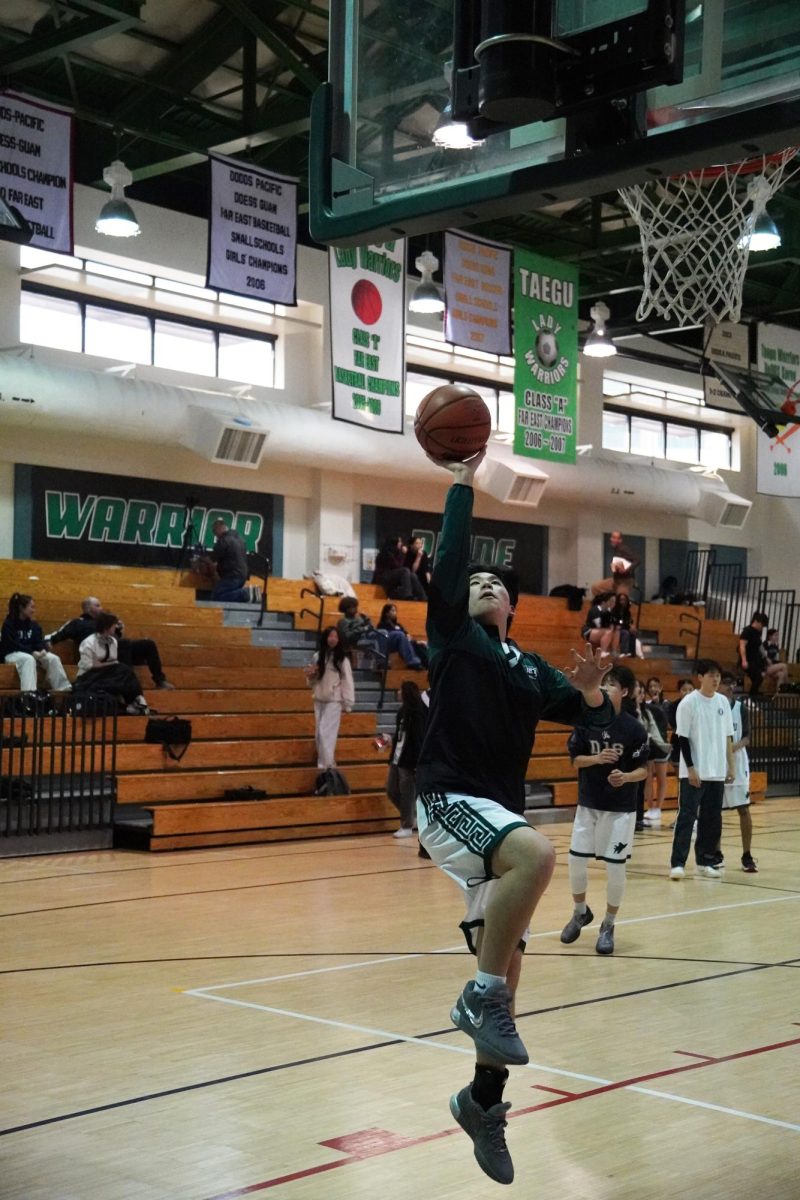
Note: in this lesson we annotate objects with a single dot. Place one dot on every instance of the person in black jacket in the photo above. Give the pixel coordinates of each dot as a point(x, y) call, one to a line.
point(392, 574)
point(22, 644)
point(133, 652)
point(412, 717)
point(487, 697)
point(230, 558)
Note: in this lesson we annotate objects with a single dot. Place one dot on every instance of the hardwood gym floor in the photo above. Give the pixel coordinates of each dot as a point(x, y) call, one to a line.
point(274, 1019)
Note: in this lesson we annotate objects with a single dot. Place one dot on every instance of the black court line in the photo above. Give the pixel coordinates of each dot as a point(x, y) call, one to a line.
point(361, 954)
point(244, 887)
point(381, 1045)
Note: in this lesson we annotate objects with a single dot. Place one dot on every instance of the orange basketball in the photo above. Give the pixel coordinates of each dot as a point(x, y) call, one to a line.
point(452, 423)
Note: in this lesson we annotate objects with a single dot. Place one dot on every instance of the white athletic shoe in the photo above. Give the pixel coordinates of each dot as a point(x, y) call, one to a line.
point(677, 873)
point(403, 832)
point(652, 816)
point(709, 872)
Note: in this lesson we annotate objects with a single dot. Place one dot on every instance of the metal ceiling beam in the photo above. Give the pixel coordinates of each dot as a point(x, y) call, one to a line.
point(45, 46)
point(249, 141)
point(293, 56)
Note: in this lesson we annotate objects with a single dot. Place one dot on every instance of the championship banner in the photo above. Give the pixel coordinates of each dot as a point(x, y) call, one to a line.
point(546, 357)
point(367, 306)
point(778, 459)
point(477, 288)
point(36, 169)
point(252, 232)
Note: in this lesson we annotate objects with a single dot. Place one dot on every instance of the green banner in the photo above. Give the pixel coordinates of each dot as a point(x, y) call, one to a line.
point(546, 354)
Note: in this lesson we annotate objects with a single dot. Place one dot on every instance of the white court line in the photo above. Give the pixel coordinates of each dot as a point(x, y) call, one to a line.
point(376, 962)
point(470, 1051)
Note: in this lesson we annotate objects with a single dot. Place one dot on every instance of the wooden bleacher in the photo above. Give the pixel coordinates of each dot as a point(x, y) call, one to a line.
point(252, 719)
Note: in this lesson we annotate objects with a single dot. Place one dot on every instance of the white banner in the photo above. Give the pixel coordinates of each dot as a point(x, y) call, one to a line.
point(252, 232)
point(368, 308)
point(36, 169)
point(477, 288)
point(778, 465)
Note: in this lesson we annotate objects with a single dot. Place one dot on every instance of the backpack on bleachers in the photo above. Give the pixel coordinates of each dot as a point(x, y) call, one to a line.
point(331, 783)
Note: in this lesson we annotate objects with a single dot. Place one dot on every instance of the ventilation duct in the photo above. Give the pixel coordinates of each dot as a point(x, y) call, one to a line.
point(519, 485)
point(724, 509)
point(234, 442)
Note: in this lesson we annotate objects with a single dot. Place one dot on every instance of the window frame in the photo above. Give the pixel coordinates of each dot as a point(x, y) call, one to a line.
point(699, 426)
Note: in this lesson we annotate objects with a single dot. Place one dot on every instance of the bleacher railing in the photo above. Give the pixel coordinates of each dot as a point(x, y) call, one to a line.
point(775, 737)
point(57, 772)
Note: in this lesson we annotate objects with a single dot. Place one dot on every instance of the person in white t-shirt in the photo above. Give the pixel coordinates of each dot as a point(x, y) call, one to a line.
point(705, 737)
point(737, 794)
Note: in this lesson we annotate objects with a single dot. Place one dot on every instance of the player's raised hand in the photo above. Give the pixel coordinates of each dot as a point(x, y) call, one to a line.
point(589, 669)
point(463, 472)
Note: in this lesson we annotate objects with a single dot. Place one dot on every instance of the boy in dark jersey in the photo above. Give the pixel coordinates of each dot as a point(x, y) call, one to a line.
point(486, 699)
point(610, 762)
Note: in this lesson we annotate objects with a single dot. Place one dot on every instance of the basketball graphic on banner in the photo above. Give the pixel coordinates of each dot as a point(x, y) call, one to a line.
point(366, 301)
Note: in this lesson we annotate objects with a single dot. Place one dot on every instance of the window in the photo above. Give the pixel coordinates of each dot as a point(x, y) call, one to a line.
point(184, 348)
point(630, 432)
point(647, 437)
point(616, 435)
point(50, 321)
point(131, 334)
point(123, 335)
point(245, 359)
point(682, 441)
point(499, 403)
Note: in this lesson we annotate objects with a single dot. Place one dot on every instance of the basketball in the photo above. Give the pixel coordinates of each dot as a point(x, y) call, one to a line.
point(452, 423)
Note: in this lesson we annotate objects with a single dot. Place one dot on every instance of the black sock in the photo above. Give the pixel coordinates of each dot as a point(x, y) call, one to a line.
point(487, 1086)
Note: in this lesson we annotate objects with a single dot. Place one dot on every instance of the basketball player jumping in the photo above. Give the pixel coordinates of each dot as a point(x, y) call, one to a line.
point(487, 697)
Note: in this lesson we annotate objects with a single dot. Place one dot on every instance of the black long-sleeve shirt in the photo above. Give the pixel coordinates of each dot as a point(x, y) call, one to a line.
point(486, 701)
point(76, 630)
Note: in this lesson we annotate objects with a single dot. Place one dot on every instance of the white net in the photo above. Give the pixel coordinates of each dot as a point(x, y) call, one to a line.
point(695, 232)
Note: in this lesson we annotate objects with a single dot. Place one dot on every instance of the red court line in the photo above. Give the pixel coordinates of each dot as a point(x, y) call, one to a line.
point(372, 1143)
point(540, 1087)
point(691, 1054)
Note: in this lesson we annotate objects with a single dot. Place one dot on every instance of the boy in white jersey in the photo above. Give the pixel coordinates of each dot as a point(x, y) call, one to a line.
point(705, 737)
point(737, 794)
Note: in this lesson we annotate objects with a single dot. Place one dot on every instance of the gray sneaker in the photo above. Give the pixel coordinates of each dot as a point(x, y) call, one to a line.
point(572, 930)
point(605, 939)
point(486, 1018)
point(487, 1128)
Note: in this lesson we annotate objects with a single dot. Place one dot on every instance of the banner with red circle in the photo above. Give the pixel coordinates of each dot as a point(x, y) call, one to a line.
point(367, 307)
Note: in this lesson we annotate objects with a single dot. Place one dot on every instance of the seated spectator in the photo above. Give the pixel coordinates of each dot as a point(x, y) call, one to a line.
point(101, 672)
point(599, 628)
point(389, 623)
point(622, 620)
point(133, 652)
point(776, 668)
point(418, 562)
point(392, 574)
point(22, 643)
point(357, 631)
point(753, 653)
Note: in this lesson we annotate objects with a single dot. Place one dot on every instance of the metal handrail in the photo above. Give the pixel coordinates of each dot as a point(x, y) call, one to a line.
point(264, 563)
point(307, 611)
point(695, 633)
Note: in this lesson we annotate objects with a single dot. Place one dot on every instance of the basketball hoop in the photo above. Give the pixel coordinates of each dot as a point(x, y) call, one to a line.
point(695, 231)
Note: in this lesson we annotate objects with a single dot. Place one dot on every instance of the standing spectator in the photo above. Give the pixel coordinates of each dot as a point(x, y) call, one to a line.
point(392, 574)
point(133, 652)
point(331, 680)
point(101, 672)
point(230, 557)
point(599, 629)
point(685, 688)
point(418, 562)
point(660, 751)
point(623, 567)
point(611, 765)
point(23, 645)
point(487, 698)
point(412, 717)
point(705, 733)
point(389, 623)
point(752, 653)
point(737, 793)
point(775, 668)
